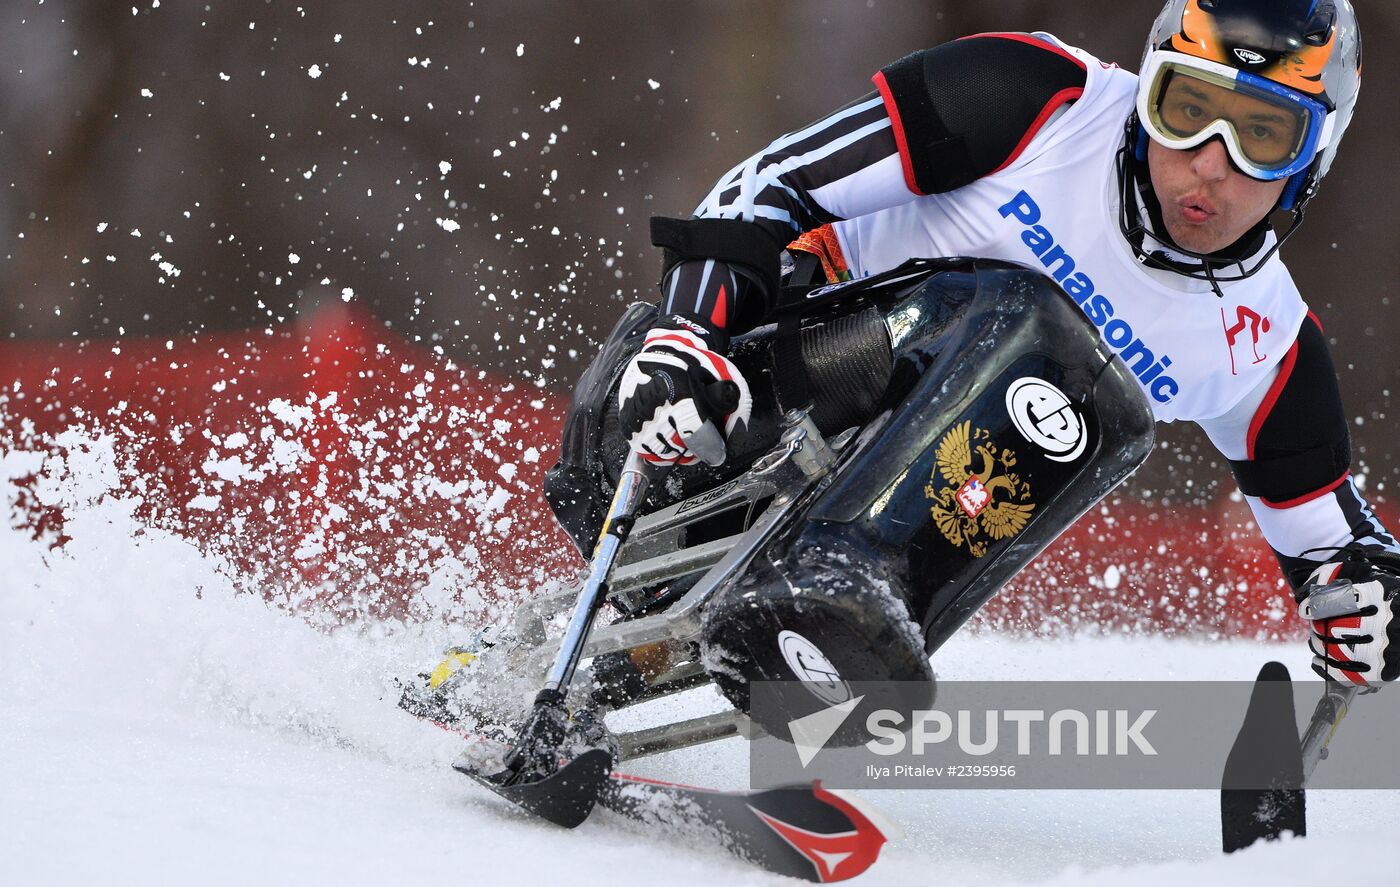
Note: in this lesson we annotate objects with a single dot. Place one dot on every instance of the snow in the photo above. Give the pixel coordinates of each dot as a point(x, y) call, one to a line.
point(160, 727)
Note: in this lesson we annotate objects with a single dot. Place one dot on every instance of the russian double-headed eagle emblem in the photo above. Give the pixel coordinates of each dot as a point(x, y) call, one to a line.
point(980, 497)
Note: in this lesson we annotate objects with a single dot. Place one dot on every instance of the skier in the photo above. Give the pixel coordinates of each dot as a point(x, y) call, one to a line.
point(1148, 198)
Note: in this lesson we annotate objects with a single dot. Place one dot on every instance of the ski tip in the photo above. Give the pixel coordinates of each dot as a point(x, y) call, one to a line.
point(850, 802)
point(844, 856)
point(1261, 788)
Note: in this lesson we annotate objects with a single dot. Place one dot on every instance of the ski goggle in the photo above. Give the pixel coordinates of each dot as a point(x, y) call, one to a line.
point(1270, 131)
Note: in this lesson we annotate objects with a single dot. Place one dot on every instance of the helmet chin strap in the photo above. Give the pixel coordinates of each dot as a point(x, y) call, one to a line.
point(1135, 204)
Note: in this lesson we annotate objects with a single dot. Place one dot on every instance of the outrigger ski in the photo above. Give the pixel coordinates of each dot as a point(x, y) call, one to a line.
point(565, 797)
point(1263, 789)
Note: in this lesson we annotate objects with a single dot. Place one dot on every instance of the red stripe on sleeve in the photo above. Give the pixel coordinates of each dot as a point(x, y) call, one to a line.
point(893, 110)
point(720, 315)
point(1308, 497)
point(1032, 41)
point(1059, 98)
point(1261, 414)
point(1270, 399)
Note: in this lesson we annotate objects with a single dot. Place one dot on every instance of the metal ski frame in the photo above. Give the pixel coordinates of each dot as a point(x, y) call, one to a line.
point(789, 476)
point(1328, 714)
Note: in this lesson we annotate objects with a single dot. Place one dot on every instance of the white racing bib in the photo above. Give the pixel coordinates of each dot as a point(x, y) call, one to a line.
point(1056, 209)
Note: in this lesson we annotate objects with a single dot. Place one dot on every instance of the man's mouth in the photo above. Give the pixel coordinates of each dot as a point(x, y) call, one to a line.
point(1196, 209)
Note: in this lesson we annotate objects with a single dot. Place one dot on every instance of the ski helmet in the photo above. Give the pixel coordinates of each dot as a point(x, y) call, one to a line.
point(1305, 50)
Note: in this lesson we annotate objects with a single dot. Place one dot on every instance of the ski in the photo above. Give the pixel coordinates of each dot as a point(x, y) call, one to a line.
point(806, 831)
point(1261, 790)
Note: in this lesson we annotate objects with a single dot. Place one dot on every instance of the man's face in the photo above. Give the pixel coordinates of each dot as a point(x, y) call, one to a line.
point(1206, 203)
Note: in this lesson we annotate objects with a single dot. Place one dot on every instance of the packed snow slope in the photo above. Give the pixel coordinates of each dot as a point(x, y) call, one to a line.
point(162, 726)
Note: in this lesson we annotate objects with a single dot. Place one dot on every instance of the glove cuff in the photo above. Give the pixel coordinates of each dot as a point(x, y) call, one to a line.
point(695, 330)
point(1353, 565)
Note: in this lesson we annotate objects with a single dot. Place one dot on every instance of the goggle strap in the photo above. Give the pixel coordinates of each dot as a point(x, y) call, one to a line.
point(1295, 187)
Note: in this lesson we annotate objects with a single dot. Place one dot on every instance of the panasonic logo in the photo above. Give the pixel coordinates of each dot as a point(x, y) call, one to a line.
point(1249, 56)
point(1149, 368)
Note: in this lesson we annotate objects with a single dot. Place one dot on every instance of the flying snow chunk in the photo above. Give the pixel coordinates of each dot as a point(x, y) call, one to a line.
point(289, 413)
point(205, 503)
point(444, 167)
point(101, 226)
point(313, 72)
point(448, 224)
point(224, 77)
point(653, 84)
point(147, 94)
point(520, 50)
point(1112, 577)
point(293, 258)
point(347, 294)
point(230, 469)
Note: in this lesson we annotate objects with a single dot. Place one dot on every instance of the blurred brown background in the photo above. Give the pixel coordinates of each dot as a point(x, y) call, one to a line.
point(190, 166)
